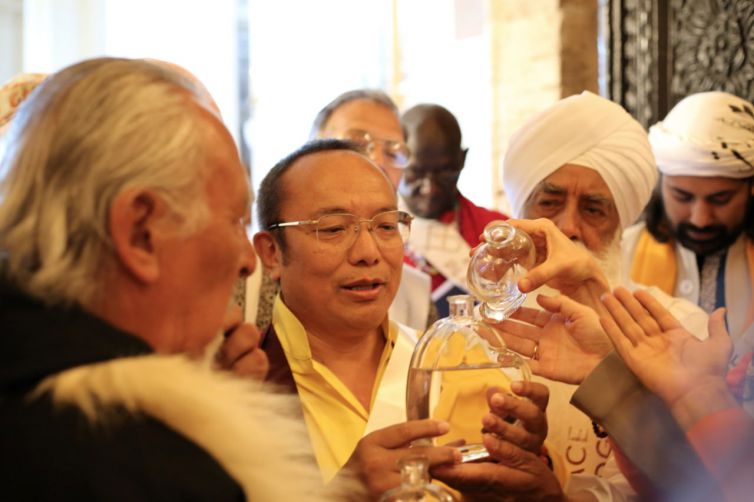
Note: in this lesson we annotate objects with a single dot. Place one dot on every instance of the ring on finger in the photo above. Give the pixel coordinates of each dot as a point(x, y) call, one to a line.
point(535, 353)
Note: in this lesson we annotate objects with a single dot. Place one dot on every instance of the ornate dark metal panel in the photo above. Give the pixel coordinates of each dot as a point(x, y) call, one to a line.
point(660, 51)
point(713, 47)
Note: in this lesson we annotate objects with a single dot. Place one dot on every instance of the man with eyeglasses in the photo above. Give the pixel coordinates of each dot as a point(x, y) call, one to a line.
point(370, 120)
point(447, 224)
point(333, 238)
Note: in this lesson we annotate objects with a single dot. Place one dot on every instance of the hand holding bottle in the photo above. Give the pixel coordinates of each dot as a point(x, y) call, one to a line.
point(375, 459)
point(561, 264)
point(519, 472)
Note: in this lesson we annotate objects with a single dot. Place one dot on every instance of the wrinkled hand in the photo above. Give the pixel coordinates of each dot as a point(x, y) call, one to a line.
point(570, 337)
point(375, 459)
point(531, 430)
point(520, 473)
point(240, 350)
point(683, 371)
point(561, 264)
point(516, 474)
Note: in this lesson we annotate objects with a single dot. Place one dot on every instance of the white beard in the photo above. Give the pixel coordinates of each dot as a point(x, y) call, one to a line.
point(609, 260)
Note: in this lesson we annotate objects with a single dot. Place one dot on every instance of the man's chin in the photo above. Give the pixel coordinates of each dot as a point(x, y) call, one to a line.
point(367, 320)
point(709, 246)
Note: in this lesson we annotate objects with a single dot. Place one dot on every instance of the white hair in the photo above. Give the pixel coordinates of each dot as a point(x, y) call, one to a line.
point(85, 135)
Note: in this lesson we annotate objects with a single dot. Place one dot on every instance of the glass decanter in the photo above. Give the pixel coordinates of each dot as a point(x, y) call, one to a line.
point(495, 268)
point(454, 364)
point(415, 485)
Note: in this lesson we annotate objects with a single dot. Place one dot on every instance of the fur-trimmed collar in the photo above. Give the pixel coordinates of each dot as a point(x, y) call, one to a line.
point(255, 434)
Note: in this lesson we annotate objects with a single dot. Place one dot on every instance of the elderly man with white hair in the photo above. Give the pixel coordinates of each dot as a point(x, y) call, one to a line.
point(697, 240)
point(123, 205)
point(585, 164)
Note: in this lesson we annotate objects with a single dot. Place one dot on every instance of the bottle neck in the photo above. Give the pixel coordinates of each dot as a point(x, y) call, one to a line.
point(461, 306)
point(414, 471)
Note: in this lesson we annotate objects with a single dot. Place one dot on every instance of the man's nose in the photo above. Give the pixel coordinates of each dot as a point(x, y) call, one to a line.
point(569, 222)
point(701, 214)
point(365, 248)
point(248, 259)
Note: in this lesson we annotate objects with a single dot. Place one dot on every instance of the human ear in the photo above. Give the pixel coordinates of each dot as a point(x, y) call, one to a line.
point(463, 157)
point(133, 221)
point(269, 252)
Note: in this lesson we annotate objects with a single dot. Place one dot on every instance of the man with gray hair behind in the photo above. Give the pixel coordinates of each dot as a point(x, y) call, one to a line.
point(123, 208)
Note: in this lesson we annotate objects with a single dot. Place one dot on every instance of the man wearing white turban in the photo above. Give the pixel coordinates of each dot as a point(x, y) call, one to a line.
point(586, 164)
point(697, 242)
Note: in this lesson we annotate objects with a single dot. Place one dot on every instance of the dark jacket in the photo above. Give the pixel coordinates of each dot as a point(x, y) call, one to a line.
point(54, 453)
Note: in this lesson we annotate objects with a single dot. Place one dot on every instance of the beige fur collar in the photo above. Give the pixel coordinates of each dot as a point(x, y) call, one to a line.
point(256, 435)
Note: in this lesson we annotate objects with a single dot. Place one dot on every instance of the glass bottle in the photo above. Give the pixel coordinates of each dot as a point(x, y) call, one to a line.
point(495, 268)
point(415, 485)
point(453, 365)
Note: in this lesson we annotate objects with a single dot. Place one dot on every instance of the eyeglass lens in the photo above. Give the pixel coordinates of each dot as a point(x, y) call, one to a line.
point(396, 151)
point(389, 229)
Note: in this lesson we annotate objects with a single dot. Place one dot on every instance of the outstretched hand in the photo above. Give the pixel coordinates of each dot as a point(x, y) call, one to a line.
point(567, 337)
point(668, 359)
point(683, 371)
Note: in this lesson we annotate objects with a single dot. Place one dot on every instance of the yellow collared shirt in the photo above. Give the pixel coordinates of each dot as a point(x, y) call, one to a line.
point(336, 420)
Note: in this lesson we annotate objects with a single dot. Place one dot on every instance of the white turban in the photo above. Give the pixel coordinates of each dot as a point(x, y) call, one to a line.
point(706, 134)
point(589, 131)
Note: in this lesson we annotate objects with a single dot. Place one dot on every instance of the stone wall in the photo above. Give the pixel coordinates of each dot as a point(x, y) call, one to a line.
point(541, 51)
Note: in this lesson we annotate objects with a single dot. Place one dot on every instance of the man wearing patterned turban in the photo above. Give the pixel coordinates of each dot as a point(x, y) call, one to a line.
point(697, 238)
point(696, 241)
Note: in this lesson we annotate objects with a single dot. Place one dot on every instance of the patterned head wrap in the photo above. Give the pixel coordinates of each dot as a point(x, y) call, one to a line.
point(706, 134)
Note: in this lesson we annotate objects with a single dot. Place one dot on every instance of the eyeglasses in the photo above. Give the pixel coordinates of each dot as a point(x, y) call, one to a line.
point(389, 229)
point(396, 151)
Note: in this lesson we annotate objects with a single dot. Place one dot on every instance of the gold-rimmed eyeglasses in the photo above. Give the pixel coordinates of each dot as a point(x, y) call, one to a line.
point(390, 228)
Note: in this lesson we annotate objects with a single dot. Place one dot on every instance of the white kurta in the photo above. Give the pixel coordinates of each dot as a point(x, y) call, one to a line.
point(389, 405)
point(410, 306)
point(738, 289)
